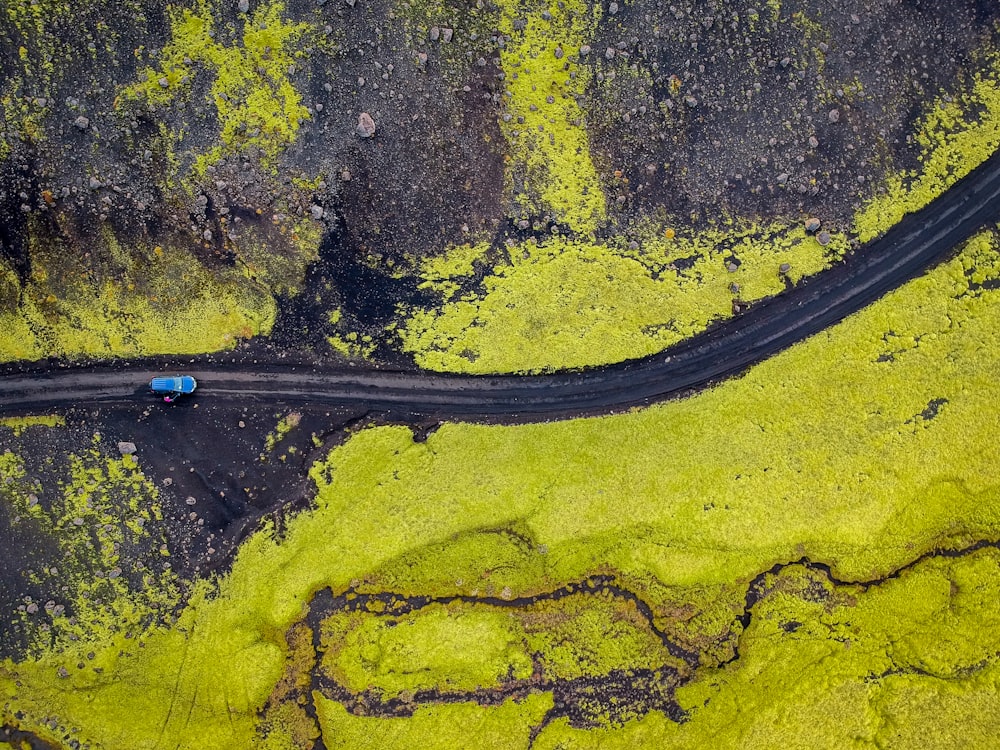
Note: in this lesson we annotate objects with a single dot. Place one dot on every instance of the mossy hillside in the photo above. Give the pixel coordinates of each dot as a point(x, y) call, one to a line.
point(443, 726)
point(147, 300)
point(565, 303)
point(572, 303)
point(961, 130)
point(255, 101)
point(550, 171)
point(830, 450)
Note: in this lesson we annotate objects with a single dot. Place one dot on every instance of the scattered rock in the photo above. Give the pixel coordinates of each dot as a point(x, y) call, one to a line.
point(316, 211)
point(62, 672)
point(834, 115)
point(732, 267)
point(243, 6)
point(242, 424)
point(734, 288)
point(345, 175)
point(435, 33)
point(559, 53)
point(585, 50)
point(190, 500)
point(813, 141)
point(783, 178)
point(690, 101)
point(366, 125)
point(421, 60)
point(823, 238)
point(784, 268)
point(126, 449)
point(32, 609)
point(812, 224)
point(167, 481)
point(609, 53)
point(164, 82)
point(41, 101)
point(446, 34)
point(78, 521)
point(613, 8)
point(82, 122)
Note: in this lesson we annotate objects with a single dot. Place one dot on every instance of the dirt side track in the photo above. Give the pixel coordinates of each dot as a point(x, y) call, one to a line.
point(919, 241)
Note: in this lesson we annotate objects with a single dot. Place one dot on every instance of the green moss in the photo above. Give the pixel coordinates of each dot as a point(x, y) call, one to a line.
point(451, 648)
point(445, 727)
point(830, 450)
point(956, 135)
point(255, 101)
point(285, 425)
point(103, 518)
point(20, 424)
point(569, 304)
point(550, 170)
point(572, 303)
point(160, 302)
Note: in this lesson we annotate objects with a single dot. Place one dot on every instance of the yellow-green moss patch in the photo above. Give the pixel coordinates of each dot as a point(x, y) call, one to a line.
point(566, 303)
point(861, 448)
point(20, 424)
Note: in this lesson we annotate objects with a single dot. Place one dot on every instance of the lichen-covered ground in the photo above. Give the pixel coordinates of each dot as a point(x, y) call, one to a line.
point(804, 557)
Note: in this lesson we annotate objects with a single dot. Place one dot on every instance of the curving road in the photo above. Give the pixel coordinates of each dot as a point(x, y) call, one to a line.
point(919, 241)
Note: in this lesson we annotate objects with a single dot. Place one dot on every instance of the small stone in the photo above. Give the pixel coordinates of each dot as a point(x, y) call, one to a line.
point(41, 101)
point(207, 235)
point(421, 59)
point(435, 33)
point(481, 62)
point(190, 500)
point(855, 19)
point(785, 62)
point(732, 267)
point(447, 34)
point(823, 238)
point(32, 500)
point(351, 3)
point(366, 125)
point(550, 99)
point(734, 288)
point(345, 175)
point(783, 178)
point(812, 224)
point(62, 672)
point(585, 50)
point(823, 47)
point(82, 122)
point(613, 8)
point(316, 211)
point(609, 53)
point(78, 521)
point(784, 268)
point(319, 107)
point(167, 481)
point(690, 101)
point(114, 572)
point(813, 141)
point(164, 82)
point(633, 245)
point(126, 449)
point(243, 6)
point(242, 424)
point(558, 53)
point(32, 609)
point(834, 115)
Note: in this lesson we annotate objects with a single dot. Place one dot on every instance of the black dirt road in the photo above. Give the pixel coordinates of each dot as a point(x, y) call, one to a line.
point(919, 241)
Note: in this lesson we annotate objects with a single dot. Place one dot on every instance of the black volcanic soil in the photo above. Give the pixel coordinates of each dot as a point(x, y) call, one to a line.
point(699, 110)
